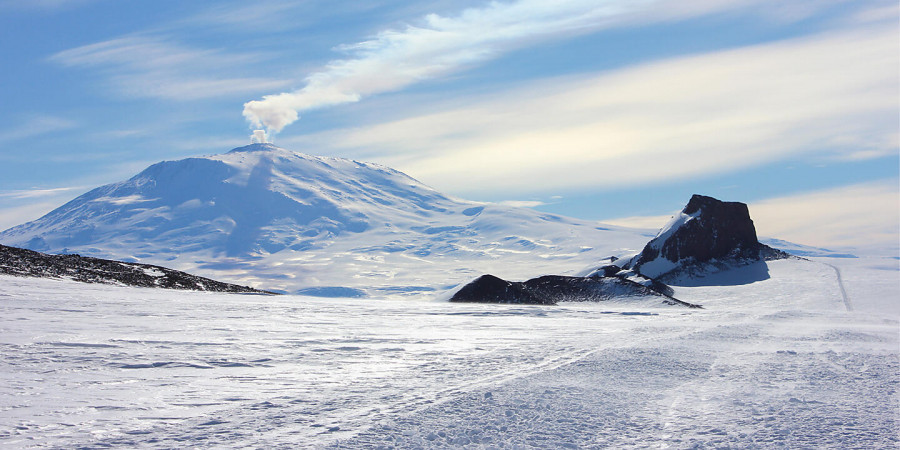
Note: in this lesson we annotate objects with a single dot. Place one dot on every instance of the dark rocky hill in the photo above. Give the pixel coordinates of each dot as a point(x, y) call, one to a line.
point(552, 289)
point(21, 262)
point(707, 234)
point(491, 289)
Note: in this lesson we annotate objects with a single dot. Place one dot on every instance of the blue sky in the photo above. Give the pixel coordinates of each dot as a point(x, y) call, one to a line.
point(607, 110)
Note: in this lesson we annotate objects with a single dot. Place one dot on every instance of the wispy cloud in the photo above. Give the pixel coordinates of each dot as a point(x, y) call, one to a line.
point(441, 45)
point(36, 126)
point(37, 193)
point(20, 206)
point(886, 12)
point(438, 46)
point(17, 215)
point(242, 15)
point(271, 15)
point(522, 203)
point(829, 95)
point(650, 222)
point(141, 66)
point(42, 5)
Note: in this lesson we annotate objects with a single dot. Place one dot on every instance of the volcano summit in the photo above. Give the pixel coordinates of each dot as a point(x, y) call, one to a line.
point(280, 220)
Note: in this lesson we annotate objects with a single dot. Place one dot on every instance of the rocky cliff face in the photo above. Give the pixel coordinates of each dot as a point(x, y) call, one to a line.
point(707, 232)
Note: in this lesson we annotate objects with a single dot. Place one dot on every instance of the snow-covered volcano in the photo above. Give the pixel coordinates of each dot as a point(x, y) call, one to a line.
point(276, 219)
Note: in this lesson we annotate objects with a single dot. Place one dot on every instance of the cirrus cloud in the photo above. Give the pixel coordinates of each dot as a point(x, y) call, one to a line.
point(831, 95)
point(442, 45)
point(153, 67)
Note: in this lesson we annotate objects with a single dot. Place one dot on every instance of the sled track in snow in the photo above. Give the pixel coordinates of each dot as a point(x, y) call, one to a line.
point(415, 403)
point(357, 420)
point(840, 281)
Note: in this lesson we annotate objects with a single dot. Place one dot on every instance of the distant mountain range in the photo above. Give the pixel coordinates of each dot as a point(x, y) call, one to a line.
point(279, 220)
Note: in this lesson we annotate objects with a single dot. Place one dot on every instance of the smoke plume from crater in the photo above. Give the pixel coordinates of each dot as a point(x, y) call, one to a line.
point(395, 59)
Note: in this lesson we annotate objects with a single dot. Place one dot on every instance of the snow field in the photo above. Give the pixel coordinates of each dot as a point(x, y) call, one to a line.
point(774, 363)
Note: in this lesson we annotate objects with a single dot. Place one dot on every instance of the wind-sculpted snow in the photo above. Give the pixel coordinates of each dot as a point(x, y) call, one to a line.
point(777, 363)
point(280, 220)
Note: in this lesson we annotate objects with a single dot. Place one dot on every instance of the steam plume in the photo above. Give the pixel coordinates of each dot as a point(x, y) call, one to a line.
point(394, 59)
point(259, 137)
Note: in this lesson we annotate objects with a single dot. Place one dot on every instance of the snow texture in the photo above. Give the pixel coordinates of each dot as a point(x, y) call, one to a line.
point(778, 363)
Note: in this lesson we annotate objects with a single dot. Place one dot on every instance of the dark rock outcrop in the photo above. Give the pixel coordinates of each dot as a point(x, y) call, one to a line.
point(490, 289)
point(708, 236)
point(551, 289)
point(712, 229)
point(597, 289)
point(22, 262)
point(706, 232)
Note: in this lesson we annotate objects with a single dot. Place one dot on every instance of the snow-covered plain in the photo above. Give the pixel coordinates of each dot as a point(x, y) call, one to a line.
point(779, 362)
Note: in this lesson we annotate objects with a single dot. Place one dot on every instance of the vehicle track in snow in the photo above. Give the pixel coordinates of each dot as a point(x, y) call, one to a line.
point(640, 336)
point(840, 281)
point(354, 421)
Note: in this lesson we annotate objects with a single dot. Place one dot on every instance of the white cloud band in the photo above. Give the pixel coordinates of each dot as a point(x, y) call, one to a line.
point(440, 46)
point(831, 95)
point(394, 59)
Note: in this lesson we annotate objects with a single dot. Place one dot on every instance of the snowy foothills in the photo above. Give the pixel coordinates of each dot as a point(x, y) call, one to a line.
point(510, 224)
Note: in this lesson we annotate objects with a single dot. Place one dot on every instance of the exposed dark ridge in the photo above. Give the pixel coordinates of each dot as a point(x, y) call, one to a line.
point(552, 289)
point(561, 288)
point(721, 229)
point(28, 263)
point(491, 289)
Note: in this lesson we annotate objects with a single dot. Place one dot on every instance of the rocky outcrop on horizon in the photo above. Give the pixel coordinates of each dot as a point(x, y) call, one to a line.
point(28, 263)
point(707, 235)
point(553, 289)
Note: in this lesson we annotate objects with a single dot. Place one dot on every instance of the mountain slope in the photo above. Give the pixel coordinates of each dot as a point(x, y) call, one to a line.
point(276, 219)
point(236, 204)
